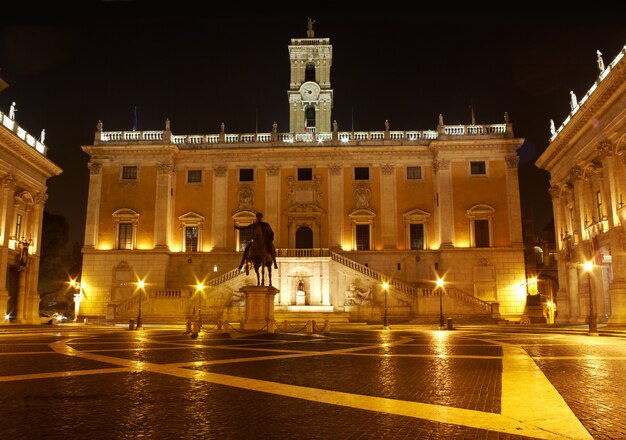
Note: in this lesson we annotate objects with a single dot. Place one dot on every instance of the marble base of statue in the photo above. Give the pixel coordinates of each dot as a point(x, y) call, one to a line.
point(259, 312)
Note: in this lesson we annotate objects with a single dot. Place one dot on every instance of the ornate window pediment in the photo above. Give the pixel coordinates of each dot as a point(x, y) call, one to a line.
point(416, 229)
point(125, 220)
point(191, 226)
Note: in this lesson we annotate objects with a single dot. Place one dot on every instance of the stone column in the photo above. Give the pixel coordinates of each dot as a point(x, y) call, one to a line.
point(574, 295)
point(220, 206)
point(93, 205)
point(388, 205)
point(335, 205)
point(617, 287)
point(577, 200)
point(6, 215)
point(272, 201)
point(163, 204)
point(557, 210)
point(445, 207)
point(513, 202)
point(610, 186)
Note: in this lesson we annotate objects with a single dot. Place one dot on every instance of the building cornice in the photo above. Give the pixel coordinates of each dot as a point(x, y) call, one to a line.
point(17, 147)
point(579, 122)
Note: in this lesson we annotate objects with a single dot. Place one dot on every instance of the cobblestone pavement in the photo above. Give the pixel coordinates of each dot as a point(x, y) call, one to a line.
point(356, 383)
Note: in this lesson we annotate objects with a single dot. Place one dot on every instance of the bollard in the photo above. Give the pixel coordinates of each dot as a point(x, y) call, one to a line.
point(450, 324)
point(309, 327)
point(188, 328)
point(131, 324)
point(326, 328)
point(195, 330)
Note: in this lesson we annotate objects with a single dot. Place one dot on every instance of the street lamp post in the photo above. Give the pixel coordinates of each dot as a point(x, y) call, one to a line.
point(140, 285)
point(200, 289)
point(440, 287)
point(77, 286)
point(593, 323)
point(385, 320)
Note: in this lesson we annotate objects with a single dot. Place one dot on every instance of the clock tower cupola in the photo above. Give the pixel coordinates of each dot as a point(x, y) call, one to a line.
point(310, 94)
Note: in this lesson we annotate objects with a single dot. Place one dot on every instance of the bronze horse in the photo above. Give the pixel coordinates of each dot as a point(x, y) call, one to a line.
point(259, 257)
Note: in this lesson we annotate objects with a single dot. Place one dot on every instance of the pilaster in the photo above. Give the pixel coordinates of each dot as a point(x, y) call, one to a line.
point(162, 207)
point(272, 200)
point(93, 204)
point(388, 203)
point(513, 202)
point(444, 202)
point(218, 210)
point(335, 203)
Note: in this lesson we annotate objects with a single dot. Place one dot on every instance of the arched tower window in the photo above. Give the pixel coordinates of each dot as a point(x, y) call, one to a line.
point(309, 117)
point(309, 72)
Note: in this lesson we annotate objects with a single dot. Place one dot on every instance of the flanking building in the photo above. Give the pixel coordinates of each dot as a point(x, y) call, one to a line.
point(24, 169)
point(350, 210)
point(585, 160)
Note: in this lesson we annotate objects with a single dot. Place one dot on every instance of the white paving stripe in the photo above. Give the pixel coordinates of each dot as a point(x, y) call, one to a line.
point(528, 395)
point(530, 404)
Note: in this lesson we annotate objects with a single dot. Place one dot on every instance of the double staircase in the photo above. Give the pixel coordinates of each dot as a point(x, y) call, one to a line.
point(177, 305)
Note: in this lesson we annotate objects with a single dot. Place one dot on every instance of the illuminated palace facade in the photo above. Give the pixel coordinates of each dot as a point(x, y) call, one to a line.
point(585, 160)
point(24, 169)
point(349, 209)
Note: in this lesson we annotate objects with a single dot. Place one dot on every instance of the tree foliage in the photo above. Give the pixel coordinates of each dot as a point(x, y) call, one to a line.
point(57, 263)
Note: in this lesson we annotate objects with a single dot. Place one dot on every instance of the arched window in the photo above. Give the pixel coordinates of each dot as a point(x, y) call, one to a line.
point(309, 72)
point(309, 117)
point(304, 238)
point(538, 255)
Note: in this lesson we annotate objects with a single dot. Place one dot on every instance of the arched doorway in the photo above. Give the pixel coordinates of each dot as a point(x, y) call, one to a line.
point(304, 238)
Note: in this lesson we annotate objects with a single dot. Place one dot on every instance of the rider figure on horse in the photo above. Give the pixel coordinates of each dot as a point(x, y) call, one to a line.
point(261, 233)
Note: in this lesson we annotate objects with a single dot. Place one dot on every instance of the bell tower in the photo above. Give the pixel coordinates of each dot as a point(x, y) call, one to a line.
point(310, 94)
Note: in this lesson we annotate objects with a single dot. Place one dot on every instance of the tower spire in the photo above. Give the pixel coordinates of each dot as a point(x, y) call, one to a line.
point(310, 33)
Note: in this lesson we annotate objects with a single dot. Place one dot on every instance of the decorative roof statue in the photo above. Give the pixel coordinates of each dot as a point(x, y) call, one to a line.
point(222, 128)
point(386, 125)
point(12, 111)
point(335, 126)
point(600, 61)
point(552, 128)
point(99, 126)
point(440, 119)
point(167, 124)
point(310, 33)
point(573, 101)
point(42, 136)
point(506, 118)
point(274, 127)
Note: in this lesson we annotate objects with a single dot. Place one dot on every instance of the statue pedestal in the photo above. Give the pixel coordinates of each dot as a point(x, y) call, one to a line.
point(259, 307)
point(300, 298)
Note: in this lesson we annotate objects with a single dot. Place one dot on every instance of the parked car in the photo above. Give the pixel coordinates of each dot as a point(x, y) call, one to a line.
point(52, 318)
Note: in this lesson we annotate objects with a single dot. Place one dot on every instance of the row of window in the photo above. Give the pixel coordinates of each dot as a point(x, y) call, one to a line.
point(306, 174)
point(362, 236)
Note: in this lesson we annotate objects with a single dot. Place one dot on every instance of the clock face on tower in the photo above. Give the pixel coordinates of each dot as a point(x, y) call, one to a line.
point(309, 91)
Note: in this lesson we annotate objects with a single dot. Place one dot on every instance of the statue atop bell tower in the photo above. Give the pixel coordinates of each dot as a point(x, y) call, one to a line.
point(310, 94)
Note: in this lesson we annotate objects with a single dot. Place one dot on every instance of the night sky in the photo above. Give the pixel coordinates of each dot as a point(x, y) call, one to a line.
point(200, 69)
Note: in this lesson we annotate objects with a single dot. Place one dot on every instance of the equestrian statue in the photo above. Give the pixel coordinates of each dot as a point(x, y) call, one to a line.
point(260, 252)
